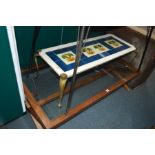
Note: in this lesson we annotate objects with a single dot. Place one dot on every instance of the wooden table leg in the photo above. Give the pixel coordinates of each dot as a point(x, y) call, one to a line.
point(115, 73)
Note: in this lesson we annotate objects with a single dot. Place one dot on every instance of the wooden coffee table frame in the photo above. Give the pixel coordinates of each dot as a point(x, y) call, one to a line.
point(35, 107)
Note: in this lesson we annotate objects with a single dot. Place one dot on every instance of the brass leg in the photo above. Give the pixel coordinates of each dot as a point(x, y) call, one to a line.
point(62, 84)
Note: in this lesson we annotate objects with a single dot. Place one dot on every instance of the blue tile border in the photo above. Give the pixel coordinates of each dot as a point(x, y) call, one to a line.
point(84, 59)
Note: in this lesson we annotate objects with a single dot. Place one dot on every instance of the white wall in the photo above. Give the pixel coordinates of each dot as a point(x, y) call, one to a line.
point(13, 46)
point(142, 30)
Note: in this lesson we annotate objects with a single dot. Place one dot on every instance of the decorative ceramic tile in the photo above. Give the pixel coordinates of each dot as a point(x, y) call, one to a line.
point(95, 49)
point(113, 43)
point(67, 57)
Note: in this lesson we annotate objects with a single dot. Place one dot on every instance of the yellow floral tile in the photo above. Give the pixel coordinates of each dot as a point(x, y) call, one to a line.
point(67, 57)
point(113, 43)
point(94, 49)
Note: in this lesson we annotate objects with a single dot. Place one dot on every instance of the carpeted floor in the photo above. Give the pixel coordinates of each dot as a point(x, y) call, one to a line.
point(122, 109)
